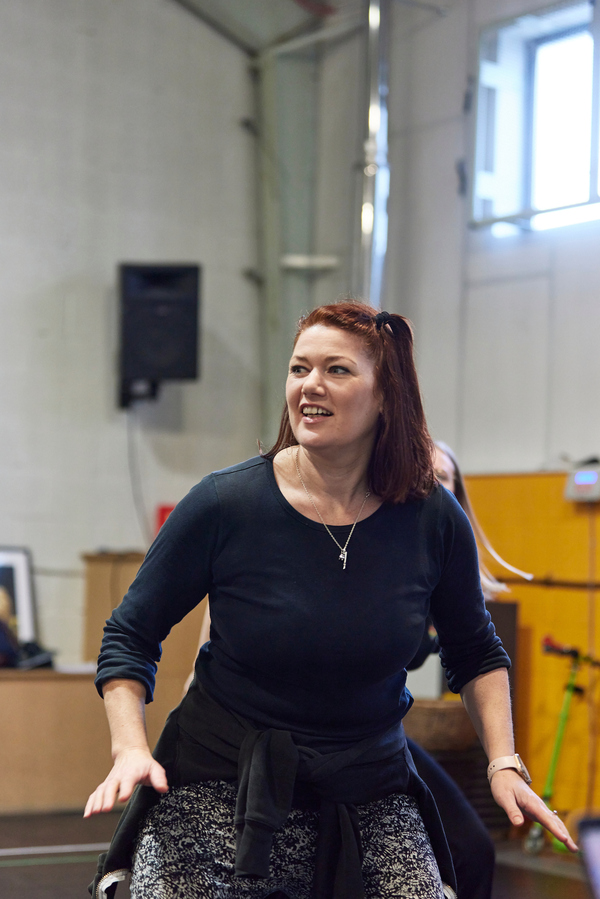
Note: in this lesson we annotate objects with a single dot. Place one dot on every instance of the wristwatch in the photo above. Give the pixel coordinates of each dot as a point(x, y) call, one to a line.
point(509, 761)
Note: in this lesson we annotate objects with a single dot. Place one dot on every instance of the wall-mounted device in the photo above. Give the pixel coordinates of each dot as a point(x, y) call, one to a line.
point(583, 483)
point(159, 327)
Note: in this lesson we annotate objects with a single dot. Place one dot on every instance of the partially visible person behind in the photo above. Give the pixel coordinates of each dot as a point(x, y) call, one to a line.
point(448, 473)
point(471, 846)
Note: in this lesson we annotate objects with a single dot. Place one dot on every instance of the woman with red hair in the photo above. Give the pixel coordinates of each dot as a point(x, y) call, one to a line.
point(285, 770)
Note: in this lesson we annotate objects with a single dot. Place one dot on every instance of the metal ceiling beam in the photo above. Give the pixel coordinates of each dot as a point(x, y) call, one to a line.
point(232, 32)
point(328, 33)
point(229, 27)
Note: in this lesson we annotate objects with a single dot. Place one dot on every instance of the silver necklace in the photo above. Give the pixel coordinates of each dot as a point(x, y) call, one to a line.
point(343, 549)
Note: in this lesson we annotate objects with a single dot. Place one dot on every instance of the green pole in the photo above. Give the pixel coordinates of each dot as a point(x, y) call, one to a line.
point(562, 723)
point(535, 837)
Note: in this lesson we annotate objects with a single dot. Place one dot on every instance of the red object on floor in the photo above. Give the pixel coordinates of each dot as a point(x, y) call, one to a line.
point(162, 513)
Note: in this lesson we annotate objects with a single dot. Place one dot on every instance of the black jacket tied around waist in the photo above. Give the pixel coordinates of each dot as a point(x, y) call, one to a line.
point(274, 771)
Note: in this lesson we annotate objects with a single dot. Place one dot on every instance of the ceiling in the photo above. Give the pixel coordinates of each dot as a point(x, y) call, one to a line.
point(254, 25)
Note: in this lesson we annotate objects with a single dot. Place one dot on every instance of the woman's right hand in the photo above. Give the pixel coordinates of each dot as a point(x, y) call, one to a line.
point(131, 767)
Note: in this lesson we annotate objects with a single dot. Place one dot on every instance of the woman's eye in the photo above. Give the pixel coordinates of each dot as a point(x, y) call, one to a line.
point(338, 370)
point(297, 369)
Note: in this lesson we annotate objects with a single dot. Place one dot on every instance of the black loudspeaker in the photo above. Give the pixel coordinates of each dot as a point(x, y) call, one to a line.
point(159, 327)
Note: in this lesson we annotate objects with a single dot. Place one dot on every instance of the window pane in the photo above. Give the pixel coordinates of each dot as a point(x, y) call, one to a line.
point(562, 113)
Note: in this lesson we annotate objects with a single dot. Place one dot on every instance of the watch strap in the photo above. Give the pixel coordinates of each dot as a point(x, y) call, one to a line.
point(508, 761)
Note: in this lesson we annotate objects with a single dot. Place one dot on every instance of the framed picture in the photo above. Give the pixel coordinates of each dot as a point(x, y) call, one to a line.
point(17, 600)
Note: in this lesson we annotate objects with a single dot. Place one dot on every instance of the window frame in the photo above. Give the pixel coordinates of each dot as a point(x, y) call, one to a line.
point(524, 216)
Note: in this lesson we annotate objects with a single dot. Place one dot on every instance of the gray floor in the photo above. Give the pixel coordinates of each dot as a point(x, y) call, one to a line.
point(547, 876)
point(58, 875)
point(65, 874)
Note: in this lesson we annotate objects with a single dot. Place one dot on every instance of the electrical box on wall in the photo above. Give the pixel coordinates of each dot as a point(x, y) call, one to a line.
point(583, 484)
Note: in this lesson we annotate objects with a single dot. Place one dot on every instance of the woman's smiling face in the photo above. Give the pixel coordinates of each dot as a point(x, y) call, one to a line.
point(331, 391)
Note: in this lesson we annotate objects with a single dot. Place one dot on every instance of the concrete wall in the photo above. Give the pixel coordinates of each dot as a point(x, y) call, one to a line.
point(120, 142)
point(506, 329)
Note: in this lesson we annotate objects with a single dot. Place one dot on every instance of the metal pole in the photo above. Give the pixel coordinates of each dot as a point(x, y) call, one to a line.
point(375, 178)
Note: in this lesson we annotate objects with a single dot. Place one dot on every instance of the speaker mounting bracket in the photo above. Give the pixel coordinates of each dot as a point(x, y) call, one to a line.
point(137, 389)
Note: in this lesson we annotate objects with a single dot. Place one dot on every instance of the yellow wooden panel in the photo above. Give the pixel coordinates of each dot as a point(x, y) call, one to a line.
point(542, 612)
point(532, 526)
point(107, 579)
point(55, 746)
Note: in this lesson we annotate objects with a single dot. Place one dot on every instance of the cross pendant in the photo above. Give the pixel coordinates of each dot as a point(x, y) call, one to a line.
point(343, 557)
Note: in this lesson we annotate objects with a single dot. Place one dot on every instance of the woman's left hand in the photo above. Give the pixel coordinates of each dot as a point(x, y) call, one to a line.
point(519, 801)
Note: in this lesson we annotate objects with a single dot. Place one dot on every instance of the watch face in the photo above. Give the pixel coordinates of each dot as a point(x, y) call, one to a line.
point(522, 769)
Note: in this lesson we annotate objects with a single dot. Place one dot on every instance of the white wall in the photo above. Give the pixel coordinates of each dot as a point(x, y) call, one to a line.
point(120, 142)
point(506, 330)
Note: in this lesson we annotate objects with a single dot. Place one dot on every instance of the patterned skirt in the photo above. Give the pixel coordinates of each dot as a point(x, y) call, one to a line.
point(186, 850)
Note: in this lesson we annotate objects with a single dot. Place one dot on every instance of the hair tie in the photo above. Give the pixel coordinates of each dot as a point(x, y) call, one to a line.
point(396, 325)
point(383, 318)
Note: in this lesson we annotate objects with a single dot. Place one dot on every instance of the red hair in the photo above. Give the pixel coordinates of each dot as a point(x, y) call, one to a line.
point(401, 464)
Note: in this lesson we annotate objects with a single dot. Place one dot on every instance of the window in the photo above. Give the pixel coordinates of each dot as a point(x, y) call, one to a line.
point(537, 136)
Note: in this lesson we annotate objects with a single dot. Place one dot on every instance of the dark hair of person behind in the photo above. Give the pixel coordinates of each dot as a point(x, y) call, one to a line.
point(401, 464)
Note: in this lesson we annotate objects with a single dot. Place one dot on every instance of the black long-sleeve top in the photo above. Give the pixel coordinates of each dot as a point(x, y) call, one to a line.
point(311, 655)
point(297, 642)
